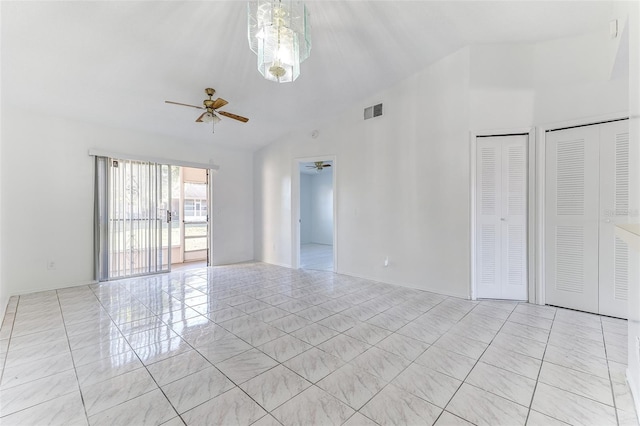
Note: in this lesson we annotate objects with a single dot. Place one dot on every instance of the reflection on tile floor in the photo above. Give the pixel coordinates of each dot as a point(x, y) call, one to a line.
point(265, 345)
point(316, 256)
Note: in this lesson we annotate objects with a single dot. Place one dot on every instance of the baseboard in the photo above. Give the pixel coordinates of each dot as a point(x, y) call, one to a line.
point(274, 264)
point(38, 290)
point(4, 302)
point(405, 285)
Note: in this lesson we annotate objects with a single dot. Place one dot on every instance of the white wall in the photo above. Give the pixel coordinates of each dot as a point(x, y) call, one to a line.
point(633, 372)
point(572, 79)
point(502, 94)
point(306, 215)
point(322, 207)
point(523, 85)
point(48, 188)
point(402, 183)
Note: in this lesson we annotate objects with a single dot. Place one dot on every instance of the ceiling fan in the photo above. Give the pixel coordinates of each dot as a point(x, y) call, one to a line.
point(211, 106)
point(319, 165)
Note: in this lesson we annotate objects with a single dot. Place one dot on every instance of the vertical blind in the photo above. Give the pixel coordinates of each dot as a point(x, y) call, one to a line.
point(132, 218)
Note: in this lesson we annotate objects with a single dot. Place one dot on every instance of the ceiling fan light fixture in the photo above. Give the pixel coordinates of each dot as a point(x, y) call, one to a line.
point(279, 34)
point(208, 117)
point(210, 107)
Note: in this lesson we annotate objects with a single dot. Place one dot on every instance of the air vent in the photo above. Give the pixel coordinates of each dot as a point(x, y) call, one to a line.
point(373, 111)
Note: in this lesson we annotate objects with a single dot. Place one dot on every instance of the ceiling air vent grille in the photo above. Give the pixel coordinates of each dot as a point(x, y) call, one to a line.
point(373, 111)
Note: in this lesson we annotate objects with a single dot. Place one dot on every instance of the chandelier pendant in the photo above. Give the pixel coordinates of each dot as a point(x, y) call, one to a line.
point(279, 34)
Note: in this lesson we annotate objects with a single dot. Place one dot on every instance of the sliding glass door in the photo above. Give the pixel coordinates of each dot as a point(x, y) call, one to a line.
point(133, 232)
point(196, 216)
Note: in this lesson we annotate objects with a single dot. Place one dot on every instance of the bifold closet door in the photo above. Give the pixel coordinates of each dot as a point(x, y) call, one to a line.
point(617, 263)
point(501, 207)
point(587, 267)
point(571, 219)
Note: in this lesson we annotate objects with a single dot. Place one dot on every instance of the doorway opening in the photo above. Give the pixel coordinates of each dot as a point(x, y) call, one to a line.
point(315, 240)
point(189, 216)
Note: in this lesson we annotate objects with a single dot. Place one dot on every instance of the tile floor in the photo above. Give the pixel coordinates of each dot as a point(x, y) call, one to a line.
point(264, 345)
point(316, 256)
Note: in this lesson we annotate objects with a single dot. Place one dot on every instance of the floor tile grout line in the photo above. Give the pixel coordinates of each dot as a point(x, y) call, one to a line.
point(236, 385)
point(613, 392)
point(579, 371)
point(252, 295)
point(315, 346)
point(413, 362)
point(75, 371)
point(4, 362)
point(542, 361)
point(535, 386)
point(143, 366)
point(476, 363)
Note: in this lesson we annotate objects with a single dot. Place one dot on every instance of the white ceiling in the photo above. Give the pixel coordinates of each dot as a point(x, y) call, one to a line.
point(116, 62)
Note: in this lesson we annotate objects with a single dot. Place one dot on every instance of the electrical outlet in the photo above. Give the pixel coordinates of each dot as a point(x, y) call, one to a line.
point(51, 265)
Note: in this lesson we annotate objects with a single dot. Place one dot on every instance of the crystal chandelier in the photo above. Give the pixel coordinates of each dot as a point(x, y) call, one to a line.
point(279, 34)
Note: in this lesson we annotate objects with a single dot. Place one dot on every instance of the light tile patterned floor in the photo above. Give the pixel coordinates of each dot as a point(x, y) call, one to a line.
point(316, 256)
point(265, 345)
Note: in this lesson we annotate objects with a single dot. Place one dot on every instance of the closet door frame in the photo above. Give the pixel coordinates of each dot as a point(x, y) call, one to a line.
point(539, 203)
point(531, 198)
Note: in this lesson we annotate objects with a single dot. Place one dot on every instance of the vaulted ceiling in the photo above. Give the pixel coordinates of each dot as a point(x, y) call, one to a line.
point(115, 63)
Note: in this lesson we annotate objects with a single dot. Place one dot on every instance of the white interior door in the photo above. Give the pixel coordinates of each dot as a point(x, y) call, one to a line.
point(617, 266)
point(514, 226)
point(588, 192)
point(488, 215)
point(571, 218)
point(501, 220)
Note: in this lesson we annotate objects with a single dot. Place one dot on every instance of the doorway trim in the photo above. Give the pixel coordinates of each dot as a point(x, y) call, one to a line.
point(542, 130)
point(295, 208)
point(531, 191)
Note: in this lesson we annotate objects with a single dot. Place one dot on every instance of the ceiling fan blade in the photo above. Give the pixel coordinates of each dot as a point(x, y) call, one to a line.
point(234, 116)
point(326, 165)
point(199, 119)
point(219, 103)
point(187, 105)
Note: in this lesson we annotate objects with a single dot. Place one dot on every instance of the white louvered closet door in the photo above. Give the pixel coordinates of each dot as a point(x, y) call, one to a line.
point(617, 263)
point(501, 268)
point(571, 218)
point(514, 210)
